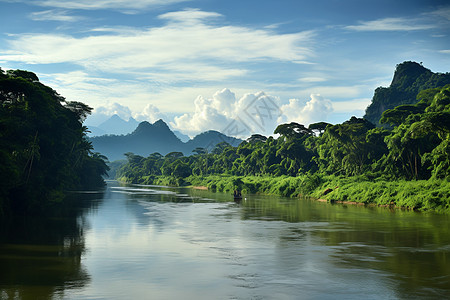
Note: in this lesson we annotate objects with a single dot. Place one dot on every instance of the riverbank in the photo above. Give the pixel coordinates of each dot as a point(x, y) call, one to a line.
point(421, 195)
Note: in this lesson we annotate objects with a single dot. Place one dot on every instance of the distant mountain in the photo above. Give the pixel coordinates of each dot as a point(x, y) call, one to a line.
point(95, 131)
point(409, 79)
point(157, 137)
point(210, 139)
point(114, 125)
point(184, 138)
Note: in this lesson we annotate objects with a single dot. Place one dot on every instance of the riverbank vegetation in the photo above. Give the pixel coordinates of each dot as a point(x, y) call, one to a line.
point(404, 163)
point(44, 151)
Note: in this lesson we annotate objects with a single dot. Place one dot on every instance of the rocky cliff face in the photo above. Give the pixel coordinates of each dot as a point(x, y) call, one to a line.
point(409, 79)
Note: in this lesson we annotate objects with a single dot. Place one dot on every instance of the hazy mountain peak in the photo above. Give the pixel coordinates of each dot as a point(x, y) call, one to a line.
point(160, 123)
point(143, 127)
point(116, 117)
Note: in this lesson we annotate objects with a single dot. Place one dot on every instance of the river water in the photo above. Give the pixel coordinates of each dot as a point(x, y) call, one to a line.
point(146, 242)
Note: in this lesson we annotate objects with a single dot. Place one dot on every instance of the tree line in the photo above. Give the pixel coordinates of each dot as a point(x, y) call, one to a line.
point(414, 144)
point(44, 150)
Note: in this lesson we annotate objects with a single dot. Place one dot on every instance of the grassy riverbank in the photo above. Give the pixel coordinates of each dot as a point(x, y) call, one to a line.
point(423, 195)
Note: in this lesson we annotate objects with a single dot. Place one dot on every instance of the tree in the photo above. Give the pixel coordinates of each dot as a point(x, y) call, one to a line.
point(256, 138)
point(174, 155)
point(292, 130)
point(319, 127)
point(43, 144)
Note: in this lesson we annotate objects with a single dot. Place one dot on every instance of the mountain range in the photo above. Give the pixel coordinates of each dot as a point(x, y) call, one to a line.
point(118, 126)
point(157, 137)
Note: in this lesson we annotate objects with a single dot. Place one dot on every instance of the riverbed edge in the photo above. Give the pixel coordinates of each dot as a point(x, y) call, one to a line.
point(419, 195)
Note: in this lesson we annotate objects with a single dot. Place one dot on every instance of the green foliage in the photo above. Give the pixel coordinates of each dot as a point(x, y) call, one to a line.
point(360, 159)
point(43, 145)
point(410, 79)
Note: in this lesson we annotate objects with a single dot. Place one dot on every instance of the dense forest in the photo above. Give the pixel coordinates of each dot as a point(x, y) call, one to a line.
point(44, 151)
point(404, 163)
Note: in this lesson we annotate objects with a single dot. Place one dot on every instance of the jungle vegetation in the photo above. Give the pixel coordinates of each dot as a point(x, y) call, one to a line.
point(44, 151)
point(404, 163)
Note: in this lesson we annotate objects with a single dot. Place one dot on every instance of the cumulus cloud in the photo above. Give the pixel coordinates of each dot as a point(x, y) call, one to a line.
point(317, 109)
point(241, 117)
point(150, 113)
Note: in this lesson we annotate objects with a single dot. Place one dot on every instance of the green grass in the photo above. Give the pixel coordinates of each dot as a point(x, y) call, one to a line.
point(419, 195)
point(423, 195)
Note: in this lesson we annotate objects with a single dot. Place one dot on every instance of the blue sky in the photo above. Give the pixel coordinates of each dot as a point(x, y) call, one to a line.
point(206, 64)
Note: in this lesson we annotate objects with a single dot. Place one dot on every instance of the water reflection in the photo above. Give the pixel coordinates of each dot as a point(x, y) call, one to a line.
point(40, 256)
point(144, 242)
point(410, 250)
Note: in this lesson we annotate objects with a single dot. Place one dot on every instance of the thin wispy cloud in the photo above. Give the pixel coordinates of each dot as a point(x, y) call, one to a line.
point(126, 5)
point(189, 16)
point(54, 15)
point(442, 12)
point(199, 50)
point(160, 59)
point(390, 24)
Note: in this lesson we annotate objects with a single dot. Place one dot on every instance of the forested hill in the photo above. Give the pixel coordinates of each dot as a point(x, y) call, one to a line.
point(44, 151)
point(150, 138)
point(409, 79)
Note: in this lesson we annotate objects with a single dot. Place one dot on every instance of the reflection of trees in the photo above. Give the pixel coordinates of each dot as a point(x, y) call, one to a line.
point(42, 255)
point(412, 248)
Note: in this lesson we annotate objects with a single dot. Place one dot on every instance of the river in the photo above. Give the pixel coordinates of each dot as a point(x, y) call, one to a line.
point(146, 242)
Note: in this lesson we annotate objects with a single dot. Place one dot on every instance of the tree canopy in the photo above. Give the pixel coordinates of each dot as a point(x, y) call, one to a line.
point(43, 146)
point(417, 147)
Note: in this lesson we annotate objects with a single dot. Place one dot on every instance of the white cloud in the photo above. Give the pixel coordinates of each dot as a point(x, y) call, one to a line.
point(444, 51)
point(351, 105)
point(317, 109)
point(338, 91)
point(186, 51)
point(124, 5)
point(102, 113)
point(252, 113)
point(93, 90)
point(189, 16)
point(205, 117)
point(150, 113)
point(54, 15)
point(312, 79)
point(390, 24)
point(224, 101)
point(443, 12)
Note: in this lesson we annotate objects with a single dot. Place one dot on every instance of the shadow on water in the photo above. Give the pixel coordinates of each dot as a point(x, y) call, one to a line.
point(40, 256)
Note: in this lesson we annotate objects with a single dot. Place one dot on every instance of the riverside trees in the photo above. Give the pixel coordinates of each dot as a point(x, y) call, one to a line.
point(43, 146)
point(417, 147)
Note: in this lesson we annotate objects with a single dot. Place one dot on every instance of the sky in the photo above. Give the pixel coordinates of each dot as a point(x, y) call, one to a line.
point(240, 67)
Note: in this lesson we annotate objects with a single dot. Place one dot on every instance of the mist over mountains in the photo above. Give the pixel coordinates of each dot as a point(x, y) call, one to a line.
point(149, 138)
point(114, 125)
